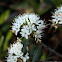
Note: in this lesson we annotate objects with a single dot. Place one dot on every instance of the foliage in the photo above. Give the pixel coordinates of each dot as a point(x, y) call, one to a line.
point(39, 7)
point(5, 33)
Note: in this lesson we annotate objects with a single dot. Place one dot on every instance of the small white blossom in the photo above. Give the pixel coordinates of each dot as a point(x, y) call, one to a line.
point(32, 28)
point(38, 34)
point(16, 28)
point(15, 52)
point(15, 48)
point(26, 56)
point(57, 16)
point(25, 32)
point(12, 58)
point(40, 24)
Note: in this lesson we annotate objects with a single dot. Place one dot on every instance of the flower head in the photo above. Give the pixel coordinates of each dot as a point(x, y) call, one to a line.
point(27, 24)
point(57, 16)
point(15, 52)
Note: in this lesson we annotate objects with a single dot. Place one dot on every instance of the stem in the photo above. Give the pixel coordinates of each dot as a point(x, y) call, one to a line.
point(51, 50)
point(21, 38)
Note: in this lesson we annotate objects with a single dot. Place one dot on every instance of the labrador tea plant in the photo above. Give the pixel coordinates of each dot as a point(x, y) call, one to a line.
point(29, 30)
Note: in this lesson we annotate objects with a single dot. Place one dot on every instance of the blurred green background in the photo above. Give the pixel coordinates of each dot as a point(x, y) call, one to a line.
point(11, 8)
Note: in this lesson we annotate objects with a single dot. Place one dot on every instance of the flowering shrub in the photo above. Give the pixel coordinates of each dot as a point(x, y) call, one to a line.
point(30, 28)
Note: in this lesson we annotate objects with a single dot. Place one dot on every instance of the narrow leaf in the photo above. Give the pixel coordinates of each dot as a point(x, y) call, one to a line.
point(37, 54)
point(1, 41)
point(43, 57)
point(7, 39)
point(32, 50)
point(25, 46)
point(4, 16)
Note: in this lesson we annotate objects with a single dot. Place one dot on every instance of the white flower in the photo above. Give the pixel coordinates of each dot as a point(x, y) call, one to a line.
point(25, 32)
point(29, 18)
point(12, 58)
point(33, 18)
point(27, 24)
point(57, 16)
point(40, 24)
point(38, 34)
point(32, 28)
point(16, 28)
point(15, 52)
point(15, 48)
point(25, 58)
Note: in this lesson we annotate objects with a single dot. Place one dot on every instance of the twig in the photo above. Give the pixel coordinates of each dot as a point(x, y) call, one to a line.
point(51, 50)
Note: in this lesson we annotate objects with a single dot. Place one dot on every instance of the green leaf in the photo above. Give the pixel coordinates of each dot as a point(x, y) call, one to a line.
point(2, 54)
point(50, 2)
point(43, 57)
point(35, 4)
point(4, 16)
point(23, 40)
point(1, 41)
point(49, 58)
point(41, 1)
point(5, 27)
point(32, 49)
point(19, 6)
point(60, 28)
point(37, 54)
point(7, 39)
point(0, 33)
point(25, 46)
point(57, 2)
point(44, 11)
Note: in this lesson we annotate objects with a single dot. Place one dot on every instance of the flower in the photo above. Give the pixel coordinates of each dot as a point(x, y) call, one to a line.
point(12, 58)
point(57, 16)
point(27, 24)
point(38, 34)
point(25, 58)
point(32, 28)
point(15, 48)
point(16, 28)
point(25, 32)
point(15, 52)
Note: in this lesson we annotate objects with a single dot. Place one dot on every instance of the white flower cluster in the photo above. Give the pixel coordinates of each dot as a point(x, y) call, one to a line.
point(27, 24)
point(57, 16)
point(15, 53)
